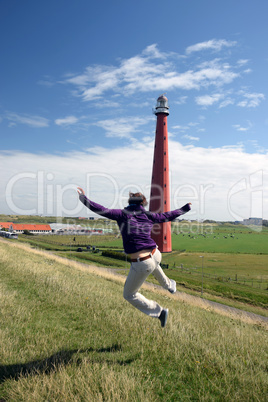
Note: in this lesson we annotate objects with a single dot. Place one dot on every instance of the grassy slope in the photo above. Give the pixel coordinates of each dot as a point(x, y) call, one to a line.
point(242, 269)
point(67, 334)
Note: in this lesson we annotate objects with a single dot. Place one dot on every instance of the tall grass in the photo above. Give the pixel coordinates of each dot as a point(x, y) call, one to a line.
point(66, 334)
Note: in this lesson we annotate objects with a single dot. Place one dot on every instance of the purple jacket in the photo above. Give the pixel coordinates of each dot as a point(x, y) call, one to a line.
point(134, 222)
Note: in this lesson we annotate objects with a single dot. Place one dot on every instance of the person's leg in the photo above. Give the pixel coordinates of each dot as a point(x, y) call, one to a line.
point(138, 273)
point(159, 274)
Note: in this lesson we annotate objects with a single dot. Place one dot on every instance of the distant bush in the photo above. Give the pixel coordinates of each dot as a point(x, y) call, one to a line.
point(26, 232)
point(115, 254)
point(164, 266)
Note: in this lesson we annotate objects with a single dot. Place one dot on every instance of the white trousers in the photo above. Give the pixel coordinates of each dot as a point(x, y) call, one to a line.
point(138, 273)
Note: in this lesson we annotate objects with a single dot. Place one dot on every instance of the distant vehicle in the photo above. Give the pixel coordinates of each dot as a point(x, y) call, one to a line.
point(12, 235)
point(9, 235)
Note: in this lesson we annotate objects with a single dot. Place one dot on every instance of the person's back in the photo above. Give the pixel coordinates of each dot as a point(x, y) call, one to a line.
point(135, 225)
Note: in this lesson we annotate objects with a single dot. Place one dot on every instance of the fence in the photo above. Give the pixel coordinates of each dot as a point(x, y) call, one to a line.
point(238, 279)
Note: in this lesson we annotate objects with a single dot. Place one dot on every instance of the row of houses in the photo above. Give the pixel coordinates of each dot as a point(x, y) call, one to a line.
point(61, 228)
point(20, 228)
point(56, 228)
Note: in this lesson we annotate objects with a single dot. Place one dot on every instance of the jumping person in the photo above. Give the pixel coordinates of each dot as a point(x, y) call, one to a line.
point(135, 225)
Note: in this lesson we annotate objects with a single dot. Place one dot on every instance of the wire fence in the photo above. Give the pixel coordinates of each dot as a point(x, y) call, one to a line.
point(261, 283)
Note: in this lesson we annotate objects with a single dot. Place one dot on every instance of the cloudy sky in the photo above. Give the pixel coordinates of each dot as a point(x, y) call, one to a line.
point(78, 84)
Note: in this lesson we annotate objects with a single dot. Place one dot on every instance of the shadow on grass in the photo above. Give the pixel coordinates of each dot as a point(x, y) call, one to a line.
point(53, 362)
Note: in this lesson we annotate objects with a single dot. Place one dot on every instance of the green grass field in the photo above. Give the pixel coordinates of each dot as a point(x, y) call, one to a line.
point(243, 243)
point(235, 260)
point(67, 334)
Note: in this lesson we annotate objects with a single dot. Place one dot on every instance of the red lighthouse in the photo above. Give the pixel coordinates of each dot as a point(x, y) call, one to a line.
point(160, 192)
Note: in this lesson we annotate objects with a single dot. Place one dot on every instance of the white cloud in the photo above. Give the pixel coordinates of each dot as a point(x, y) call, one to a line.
point(185, 127)
point(251, 99)
point(208, 100)
point(123, 127)
point(238, 127)
point(211, 177)
point(154, 52)
point(213, 44)
point(107, 103)
point(67, 121)
point(226, 102)
point(255, 145)
point(29, 120)
point(190, 137)
point(242, 62)
point(181, 100)
point(47, 81)
point(144, 73)
point(180, 128)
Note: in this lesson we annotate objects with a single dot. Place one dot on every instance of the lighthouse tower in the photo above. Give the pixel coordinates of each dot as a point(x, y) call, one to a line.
point(160, 191)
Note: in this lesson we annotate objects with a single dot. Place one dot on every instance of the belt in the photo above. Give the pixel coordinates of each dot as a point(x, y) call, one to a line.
point(144, 258)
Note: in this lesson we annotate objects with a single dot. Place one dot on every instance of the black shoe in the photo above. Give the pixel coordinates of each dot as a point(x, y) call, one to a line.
point(163, 317)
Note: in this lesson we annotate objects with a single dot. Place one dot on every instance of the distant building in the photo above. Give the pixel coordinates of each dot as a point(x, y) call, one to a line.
point(253, 221)
point(19, 228)
point(66, 228)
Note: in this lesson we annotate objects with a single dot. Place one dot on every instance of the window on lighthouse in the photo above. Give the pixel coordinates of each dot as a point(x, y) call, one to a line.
point(161, 103)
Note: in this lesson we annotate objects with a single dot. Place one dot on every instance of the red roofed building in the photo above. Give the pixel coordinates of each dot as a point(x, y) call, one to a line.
point(19, 227)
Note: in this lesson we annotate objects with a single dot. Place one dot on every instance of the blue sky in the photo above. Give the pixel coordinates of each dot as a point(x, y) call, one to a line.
point(79, 81)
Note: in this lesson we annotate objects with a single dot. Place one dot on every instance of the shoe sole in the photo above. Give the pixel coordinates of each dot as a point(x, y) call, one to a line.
point(163, 324)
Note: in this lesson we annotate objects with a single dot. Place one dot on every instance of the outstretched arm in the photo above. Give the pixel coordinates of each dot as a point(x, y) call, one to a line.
point(97, 208)
point(168, 216)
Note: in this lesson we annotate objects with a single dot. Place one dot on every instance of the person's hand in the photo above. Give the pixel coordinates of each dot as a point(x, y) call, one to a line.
point(80, 191)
